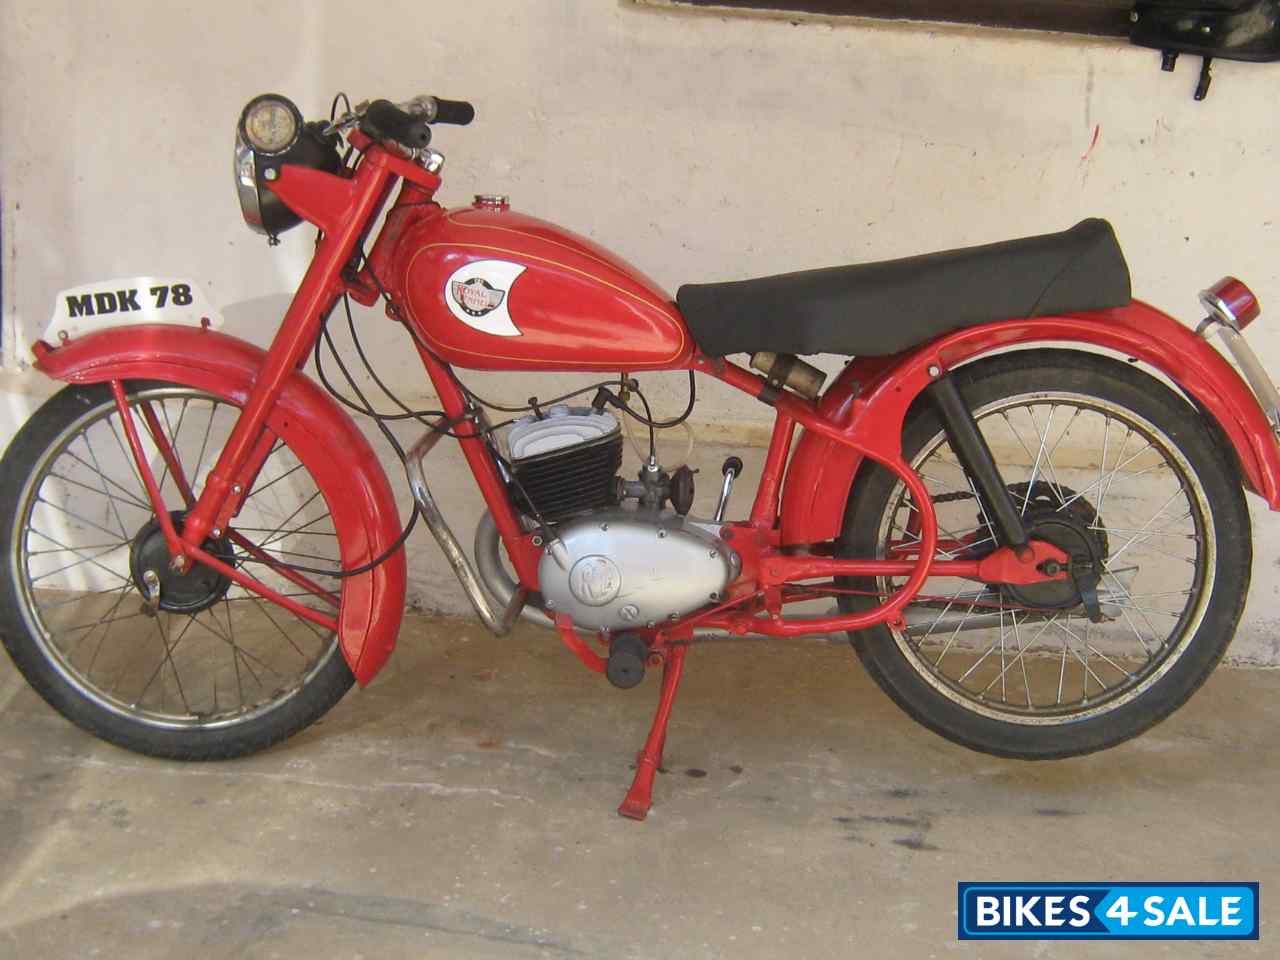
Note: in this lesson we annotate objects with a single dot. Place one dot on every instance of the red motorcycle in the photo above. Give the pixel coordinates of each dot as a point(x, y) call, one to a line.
point(1023, 496)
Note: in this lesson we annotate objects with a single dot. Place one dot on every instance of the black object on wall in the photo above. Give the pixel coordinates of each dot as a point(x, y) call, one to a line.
point(1097, 17)
point(1230, 29)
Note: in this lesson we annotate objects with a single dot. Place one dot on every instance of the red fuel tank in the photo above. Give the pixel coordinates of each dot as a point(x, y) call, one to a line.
point(491, 289)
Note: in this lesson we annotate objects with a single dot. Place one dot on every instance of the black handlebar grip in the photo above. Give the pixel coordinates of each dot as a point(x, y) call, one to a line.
point(454, 111)
point(732, 465)
point(383, 120)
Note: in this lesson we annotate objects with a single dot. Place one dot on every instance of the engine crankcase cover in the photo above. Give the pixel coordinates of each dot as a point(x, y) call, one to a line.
point(630, 569)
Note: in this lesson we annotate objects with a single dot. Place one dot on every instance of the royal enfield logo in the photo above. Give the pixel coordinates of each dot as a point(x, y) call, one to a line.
point(595, 580)
point(479, 294)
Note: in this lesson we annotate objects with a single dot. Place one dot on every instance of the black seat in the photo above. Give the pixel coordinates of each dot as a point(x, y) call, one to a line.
point(875, 309)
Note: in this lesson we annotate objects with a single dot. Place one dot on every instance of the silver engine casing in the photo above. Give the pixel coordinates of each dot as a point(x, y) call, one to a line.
point(625, 568)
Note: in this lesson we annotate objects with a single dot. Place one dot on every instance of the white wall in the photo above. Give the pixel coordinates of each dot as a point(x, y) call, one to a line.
point(697, 146)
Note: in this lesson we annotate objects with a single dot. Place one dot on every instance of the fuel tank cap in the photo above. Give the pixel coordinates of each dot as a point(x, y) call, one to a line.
point(492, 201)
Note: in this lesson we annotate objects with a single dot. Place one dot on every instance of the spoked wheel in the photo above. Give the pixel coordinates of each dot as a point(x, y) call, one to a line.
point(1106, 463)
point(188, 665)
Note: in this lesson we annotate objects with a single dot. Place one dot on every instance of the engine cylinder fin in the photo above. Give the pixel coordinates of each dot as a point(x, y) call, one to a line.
point(571, 479)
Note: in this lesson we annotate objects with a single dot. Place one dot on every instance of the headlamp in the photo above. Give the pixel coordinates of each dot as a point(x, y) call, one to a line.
point(271, 134)
point(270, 124)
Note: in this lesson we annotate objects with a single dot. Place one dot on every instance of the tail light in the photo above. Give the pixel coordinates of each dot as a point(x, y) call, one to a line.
point(1232, 307)
point(1231, 302)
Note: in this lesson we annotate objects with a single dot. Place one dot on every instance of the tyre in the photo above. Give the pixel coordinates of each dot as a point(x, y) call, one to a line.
point(1102, 460)
point(204, 669)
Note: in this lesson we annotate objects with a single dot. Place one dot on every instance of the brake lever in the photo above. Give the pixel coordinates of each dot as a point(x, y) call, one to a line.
point(342, 124)
point(348, 120)
point(421, 105)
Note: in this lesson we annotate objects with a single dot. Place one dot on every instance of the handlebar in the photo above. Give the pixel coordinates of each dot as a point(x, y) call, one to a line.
point(408, 123)
point(458, 112)
point(383, 120)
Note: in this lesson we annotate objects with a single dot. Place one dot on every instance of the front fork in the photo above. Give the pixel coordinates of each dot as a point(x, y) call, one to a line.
point(362, 197)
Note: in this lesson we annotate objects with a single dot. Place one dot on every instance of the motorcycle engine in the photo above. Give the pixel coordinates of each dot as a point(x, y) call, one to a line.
point(610, 567)
point(564, 461)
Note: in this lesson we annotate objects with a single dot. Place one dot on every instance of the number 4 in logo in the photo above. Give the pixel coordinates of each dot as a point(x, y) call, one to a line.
point(1120, 911)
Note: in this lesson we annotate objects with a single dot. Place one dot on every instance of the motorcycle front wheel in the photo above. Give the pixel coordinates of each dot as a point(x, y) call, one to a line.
point(192, 666)
point(1104, 461)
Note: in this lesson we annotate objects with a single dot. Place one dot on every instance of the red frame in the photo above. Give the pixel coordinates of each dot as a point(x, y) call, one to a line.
point(860, 417)
point(785, 540)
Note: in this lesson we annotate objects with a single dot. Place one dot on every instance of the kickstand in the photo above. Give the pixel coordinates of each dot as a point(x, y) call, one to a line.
point(640, 797)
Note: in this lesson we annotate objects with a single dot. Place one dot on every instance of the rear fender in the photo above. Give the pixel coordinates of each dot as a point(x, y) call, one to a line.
point(319, 433)
point(880, 391)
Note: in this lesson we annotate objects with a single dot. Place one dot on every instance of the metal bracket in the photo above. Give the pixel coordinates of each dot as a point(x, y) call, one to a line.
point(150, 593)
point(1084, 572)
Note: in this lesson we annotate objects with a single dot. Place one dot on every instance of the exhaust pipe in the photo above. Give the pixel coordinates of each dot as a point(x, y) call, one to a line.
point(488, 551)
point(499, 621)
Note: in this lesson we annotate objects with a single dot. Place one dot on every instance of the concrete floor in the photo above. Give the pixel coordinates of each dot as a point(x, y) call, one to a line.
point(464, 804)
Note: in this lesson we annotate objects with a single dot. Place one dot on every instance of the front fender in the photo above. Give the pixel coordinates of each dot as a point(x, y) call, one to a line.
point(319, 433)
point(880, 390)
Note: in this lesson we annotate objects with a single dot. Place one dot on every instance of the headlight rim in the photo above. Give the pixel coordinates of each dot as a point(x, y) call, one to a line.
point(242, 129)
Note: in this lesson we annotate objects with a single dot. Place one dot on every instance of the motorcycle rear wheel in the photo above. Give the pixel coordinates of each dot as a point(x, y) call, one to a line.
point(214, 672)
point(1143, 481)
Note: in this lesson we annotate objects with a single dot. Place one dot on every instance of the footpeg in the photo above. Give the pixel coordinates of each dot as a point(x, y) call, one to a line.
point(627, 656)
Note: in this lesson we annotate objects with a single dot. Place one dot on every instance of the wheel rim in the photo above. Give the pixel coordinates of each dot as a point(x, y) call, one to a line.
point(1049, 668)
point(230, 662)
